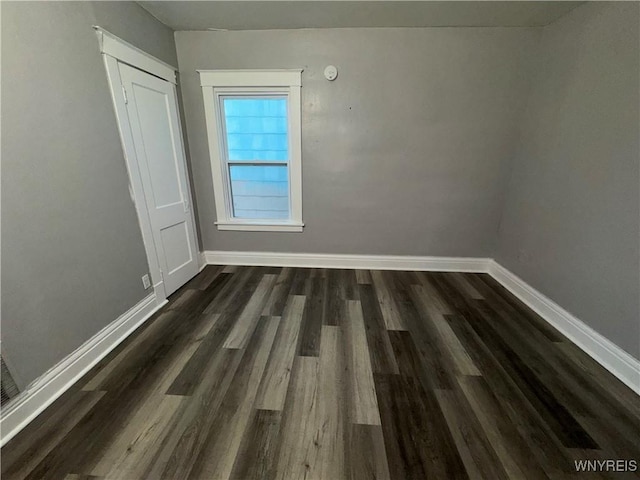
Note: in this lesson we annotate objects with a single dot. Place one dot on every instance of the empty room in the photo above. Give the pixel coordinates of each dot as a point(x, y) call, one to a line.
point(320, 240)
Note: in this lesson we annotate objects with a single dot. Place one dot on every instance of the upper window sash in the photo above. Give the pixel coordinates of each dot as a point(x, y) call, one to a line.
point(223, 93)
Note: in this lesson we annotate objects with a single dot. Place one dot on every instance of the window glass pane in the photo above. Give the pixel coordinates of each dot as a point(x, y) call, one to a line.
point(256, 128)
point(260, 191)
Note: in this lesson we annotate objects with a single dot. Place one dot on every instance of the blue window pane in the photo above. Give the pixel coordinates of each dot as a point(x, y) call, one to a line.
point(256, 128)
point(260, 191)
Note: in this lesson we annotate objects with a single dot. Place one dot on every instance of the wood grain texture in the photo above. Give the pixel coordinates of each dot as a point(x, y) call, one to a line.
point(388, 307)
point(288, 373)
point(460, 358)
point(313, 315)
point(368, 455)
point(364, 406)
point(275, 382)
point(218, 456)
point(380, 350)
point(256, 459)
point(246, 322)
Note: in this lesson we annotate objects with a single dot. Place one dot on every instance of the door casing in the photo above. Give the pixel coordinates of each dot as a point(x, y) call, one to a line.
point(115, 50)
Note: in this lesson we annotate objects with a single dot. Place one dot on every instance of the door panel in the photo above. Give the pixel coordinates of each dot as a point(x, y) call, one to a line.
point(153, 116)
point(175, 241)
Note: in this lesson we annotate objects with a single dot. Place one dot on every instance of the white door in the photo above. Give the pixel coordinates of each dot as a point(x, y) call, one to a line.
point(153, 116)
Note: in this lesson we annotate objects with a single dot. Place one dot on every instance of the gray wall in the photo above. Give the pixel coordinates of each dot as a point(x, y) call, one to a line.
point(72, 251)
point(406, 152)
point(570, 226)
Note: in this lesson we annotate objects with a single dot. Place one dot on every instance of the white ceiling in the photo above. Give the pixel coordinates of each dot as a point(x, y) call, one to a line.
point(267, 15)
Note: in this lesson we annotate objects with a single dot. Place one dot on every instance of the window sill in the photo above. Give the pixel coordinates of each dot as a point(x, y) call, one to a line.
point(260, 227)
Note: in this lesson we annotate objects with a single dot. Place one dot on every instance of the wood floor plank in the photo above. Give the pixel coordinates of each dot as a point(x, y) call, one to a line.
point(350, 280)
point(616, 445)
point(256, 459)
point(313, 316)
point(183, 298)
point(368, 456)
point(133, 348)
point(299, 284)
point(229, 303)
point(85, 440)
point(297, 448)
point(334, 308)
point(417, 439)
point(556, 415)
point(115, 417)
point(218, 455)
point(601, 380)
point(364, 405)
point(313, 441)
point(201, 302)
point(465, 286)
point(497, 293)
point(288, 373)
point(541, 442)
point(363, 277)
point(23, 456)
point(275, 382)
point(238, 285)
point(135, 445)
point(193, 426)
point(136, 453)
point(505, 441)
point(478, 456)
point(380, 349)
point(461, 359)
point(208, 275)
point(246, 322)
point(329, 438)
point(388, 307)
point(419, 351)
point(434, 297)
point(277, 300)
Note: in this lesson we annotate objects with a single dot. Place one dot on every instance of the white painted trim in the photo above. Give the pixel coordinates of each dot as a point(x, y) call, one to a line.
point(47, 388)
point(202, 260)
point(216, 83)
point(601, 349)
point(370, 262)
point(250, 78)
point(131, 55)
point(136, 188)
point(260, 226)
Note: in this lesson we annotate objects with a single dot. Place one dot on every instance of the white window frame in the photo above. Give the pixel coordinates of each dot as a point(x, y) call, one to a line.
point(216, 83)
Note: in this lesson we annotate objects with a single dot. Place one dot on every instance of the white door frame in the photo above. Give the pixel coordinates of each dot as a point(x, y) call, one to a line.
point(114, 50)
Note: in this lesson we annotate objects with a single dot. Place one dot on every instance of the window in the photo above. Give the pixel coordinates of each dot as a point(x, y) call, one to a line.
point(253, 126)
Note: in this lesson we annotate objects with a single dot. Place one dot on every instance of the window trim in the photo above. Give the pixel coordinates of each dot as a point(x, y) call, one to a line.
point(216, 83)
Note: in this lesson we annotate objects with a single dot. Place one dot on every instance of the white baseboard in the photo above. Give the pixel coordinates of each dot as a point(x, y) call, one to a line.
point(46, 389)
point(604, 351)
point(202, 261)
point(609, 355)
point(328, 260)
point(52, 384)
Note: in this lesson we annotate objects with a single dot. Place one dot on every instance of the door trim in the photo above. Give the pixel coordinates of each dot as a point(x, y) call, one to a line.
point(131, 55)
point(115, 50)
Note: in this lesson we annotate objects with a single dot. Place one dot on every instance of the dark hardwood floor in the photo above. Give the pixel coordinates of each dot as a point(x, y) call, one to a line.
point(287, 373)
